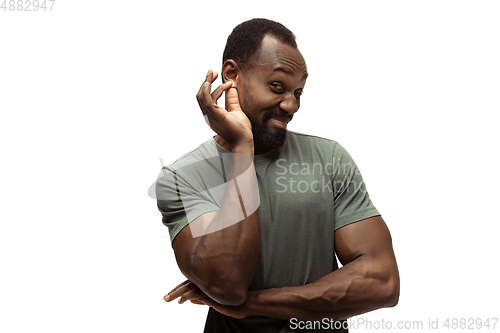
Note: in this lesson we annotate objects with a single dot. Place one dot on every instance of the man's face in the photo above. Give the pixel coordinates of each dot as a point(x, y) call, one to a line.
point(269, 90)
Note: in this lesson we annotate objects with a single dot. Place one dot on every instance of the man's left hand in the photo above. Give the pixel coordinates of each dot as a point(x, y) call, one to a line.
point(188, 291)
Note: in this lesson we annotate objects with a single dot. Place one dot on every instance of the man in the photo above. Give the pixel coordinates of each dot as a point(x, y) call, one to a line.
point(257, 214)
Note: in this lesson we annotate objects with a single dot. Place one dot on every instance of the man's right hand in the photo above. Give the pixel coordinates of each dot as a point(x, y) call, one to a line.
point(232, 125)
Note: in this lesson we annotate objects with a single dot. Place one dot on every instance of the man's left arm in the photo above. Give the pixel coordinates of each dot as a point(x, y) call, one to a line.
point(368, 280)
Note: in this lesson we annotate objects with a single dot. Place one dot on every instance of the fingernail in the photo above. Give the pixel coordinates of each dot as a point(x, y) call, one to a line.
point(166, 297)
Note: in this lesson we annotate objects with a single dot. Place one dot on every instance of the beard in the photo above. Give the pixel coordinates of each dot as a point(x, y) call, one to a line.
point(264, 139)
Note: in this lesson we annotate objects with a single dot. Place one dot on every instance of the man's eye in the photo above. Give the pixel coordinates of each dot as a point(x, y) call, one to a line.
point(277, 86)
point(298, 93)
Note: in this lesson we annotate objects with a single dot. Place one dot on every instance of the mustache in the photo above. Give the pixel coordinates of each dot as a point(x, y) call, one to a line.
point(277, 114)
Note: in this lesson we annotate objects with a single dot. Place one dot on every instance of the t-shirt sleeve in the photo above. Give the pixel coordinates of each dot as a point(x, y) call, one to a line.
point(351, 200)
point(180, 200)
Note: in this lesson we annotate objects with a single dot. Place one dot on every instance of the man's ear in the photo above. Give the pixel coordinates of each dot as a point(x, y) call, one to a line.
point(231, 72)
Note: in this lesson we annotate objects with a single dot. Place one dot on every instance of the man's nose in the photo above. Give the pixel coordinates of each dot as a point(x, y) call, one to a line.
point(290, 104)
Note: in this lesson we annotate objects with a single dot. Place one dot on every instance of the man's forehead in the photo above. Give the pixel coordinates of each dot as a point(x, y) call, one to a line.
point(279, 56)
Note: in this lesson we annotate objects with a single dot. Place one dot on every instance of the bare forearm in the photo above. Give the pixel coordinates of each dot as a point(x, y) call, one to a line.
point(356, 288)
point(226, 256)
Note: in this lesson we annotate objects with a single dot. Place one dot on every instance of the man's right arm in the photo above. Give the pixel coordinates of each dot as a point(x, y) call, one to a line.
point(222, 262)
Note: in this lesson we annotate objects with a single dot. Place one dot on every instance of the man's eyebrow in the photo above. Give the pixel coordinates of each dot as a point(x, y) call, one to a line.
point(289, 72)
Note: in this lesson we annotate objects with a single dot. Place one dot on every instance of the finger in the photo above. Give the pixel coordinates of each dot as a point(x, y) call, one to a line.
point(179, 285)
point(194, 294)
point(211, 76)
point(233, 101)
point(195, 301)
point(179, 291)
point(199, 95)
point(208, 105)
point(217, 93)
point(209, 79)
point(176, 294)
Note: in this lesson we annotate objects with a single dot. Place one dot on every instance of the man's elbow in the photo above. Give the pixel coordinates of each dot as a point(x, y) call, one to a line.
point(228, 294)
point(226, 289)
point(391, 297)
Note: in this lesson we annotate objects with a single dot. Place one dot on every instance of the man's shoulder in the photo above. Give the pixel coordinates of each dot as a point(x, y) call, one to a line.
point(193, 168)
point(204, 151)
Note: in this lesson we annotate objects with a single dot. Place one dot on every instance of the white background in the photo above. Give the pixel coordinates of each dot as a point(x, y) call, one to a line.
point(93, 93)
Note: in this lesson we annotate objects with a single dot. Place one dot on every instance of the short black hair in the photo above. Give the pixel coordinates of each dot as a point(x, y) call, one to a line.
point(246, 39)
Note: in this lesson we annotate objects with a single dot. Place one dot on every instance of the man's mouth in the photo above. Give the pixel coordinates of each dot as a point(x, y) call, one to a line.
point(283, 117)
point(277, 119)
point(280, 121)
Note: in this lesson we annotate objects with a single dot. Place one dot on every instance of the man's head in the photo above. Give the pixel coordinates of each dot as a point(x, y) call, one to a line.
point(269, 72)
point(245, 39)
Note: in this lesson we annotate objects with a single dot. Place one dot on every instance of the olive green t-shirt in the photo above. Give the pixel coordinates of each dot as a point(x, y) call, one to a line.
point(308, 188)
